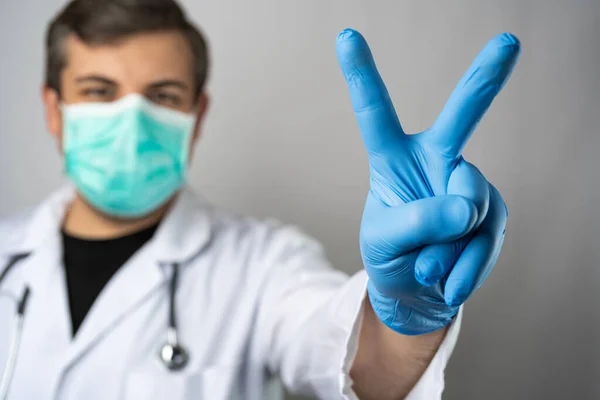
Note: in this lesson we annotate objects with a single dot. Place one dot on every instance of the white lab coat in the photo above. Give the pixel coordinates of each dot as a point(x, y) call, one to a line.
point(256, 301)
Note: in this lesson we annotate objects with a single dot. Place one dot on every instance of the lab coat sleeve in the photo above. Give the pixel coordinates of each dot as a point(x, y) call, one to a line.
point(310, 319)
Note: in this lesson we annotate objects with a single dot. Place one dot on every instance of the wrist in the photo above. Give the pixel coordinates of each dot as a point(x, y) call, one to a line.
point(410, 316)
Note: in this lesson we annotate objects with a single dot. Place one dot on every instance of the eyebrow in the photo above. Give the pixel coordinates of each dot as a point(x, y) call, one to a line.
point(168, 82)
point(95, 78)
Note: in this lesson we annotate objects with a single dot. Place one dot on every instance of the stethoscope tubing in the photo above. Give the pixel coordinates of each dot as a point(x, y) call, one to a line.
point(15, 341)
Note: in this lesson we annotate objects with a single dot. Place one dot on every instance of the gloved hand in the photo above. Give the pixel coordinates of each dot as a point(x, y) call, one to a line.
point(433, 226)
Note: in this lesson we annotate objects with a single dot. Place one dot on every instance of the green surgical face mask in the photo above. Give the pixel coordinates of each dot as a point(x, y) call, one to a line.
point(126, 158)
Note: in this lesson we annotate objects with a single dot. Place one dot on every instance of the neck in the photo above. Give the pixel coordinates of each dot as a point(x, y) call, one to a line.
point(83, 221)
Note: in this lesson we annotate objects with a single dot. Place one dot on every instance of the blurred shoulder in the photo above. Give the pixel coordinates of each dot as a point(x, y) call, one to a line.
point(265, 236)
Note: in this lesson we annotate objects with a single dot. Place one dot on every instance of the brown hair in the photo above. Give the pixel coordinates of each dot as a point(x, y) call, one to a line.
point(108, 21)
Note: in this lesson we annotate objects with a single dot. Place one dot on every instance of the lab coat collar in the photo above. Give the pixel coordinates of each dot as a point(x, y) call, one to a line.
point(185, 231)
point(182, 234)
point(26, 232)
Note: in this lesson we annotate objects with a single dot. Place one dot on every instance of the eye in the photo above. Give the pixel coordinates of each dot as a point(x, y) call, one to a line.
point(98, 94)
point(166, 99)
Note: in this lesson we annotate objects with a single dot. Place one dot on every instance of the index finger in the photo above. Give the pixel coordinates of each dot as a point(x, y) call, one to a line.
point(371, 101)
point(474, 94)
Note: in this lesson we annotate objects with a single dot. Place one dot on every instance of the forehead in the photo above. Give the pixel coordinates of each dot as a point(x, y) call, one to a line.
point(139, 57)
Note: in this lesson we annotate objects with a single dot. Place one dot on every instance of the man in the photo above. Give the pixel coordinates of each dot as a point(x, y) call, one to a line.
point(130, 287)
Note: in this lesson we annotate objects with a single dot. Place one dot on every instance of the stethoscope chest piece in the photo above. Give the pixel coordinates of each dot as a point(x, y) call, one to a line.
point(174, 356)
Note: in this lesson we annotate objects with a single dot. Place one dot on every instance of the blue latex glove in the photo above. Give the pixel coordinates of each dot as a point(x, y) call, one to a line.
point(433, 226)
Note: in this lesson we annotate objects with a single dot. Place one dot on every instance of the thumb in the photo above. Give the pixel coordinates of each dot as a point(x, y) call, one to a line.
point(394, 231)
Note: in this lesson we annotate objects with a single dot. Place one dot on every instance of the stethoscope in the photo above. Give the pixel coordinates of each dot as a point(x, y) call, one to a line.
point(15, 340)
point(173, 355)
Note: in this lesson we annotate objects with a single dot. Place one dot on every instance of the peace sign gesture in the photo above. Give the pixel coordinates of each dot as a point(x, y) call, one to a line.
point(432, 226)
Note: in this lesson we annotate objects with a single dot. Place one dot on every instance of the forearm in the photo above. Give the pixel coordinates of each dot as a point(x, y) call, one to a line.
point(388, 364)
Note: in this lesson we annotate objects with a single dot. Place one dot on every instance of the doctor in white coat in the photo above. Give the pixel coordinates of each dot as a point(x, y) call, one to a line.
point(126, 285)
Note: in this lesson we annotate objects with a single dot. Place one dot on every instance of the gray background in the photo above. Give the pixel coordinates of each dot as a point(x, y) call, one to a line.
point(281, 140)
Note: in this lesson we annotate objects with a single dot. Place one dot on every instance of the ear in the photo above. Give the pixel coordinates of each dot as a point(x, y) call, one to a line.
point(54, 120)
point(202, 108)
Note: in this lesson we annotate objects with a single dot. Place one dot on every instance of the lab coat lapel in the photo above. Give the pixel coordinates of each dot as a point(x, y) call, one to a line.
point(47, 316)
point(47, 328)
point(133, 283)
point(48, 312)
point(180, 237)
